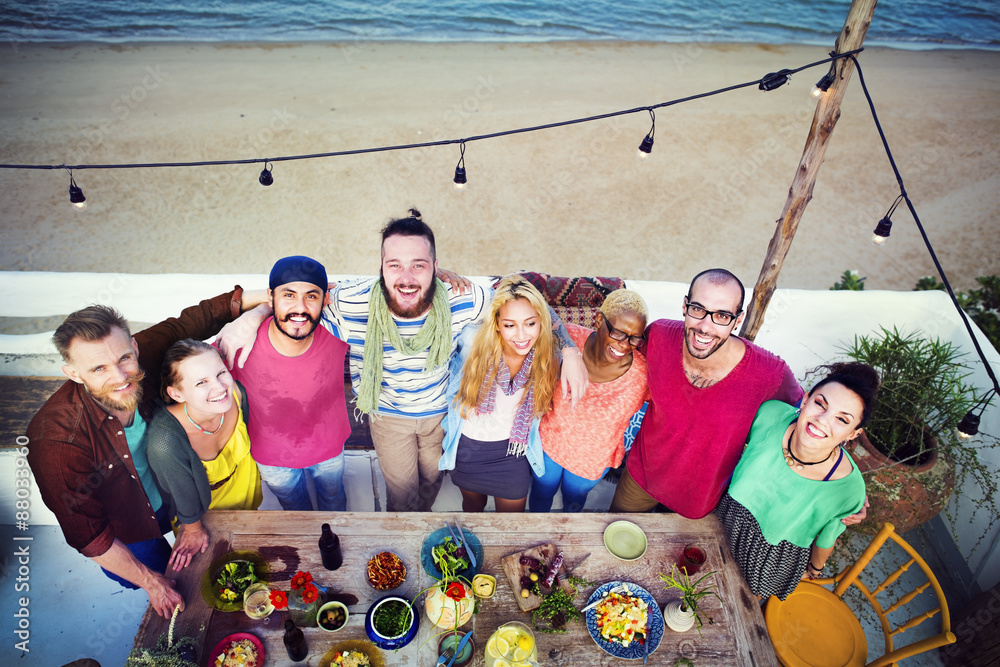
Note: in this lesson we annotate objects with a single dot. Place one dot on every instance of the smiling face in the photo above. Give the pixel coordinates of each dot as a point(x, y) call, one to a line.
point(109, 369)
point(297, 307)
point(830, 415)
point(204, 384)
point(615, 351)
point(408, 270)
point(518, 325)
point(703, 338)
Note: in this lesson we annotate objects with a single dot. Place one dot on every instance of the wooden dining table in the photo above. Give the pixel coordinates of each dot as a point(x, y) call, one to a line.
point(288, 542)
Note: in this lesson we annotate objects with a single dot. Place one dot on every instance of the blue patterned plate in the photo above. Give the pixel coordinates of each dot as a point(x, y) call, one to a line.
point(654, 622)
point(436, 538)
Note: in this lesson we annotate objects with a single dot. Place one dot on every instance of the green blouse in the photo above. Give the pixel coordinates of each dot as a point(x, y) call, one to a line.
point(786, 505)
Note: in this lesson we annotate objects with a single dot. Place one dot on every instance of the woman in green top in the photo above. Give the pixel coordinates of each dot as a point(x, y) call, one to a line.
point(794, 482)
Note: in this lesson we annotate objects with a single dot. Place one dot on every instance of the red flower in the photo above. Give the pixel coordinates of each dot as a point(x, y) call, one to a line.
point(455, 590)
point(310, 593)
point(279, 599)
point(300, 580)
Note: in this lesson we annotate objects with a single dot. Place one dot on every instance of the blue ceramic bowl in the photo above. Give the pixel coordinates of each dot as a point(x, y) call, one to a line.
point(391, 643)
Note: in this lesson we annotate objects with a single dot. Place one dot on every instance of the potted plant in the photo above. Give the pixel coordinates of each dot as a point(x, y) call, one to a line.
point(302, 601)
point(909, 452)
point(680, 615)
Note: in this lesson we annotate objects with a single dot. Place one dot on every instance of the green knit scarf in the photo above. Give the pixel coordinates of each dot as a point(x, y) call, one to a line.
point(434, 336)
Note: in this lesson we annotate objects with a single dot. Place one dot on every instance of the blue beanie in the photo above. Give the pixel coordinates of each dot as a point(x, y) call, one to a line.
point(298, 268)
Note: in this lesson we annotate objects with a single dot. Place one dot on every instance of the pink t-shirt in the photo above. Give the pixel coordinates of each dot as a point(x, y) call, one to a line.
point(691, 439)
point(589, 438)
point(298, 414)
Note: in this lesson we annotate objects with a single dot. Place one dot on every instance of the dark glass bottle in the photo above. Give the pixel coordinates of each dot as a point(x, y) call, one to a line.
point(329, 549)
point(295, 642)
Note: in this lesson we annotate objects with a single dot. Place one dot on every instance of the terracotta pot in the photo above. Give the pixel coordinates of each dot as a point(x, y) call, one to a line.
point(902, 494)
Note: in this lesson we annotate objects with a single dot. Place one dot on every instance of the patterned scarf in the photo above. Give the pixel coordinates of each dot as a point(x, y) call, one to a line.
point(434, 336)
point(522, 418)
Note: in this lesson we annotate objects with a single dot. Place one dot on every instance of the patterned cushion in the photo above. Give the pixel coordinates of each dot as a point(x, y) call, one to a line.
point(575, 300)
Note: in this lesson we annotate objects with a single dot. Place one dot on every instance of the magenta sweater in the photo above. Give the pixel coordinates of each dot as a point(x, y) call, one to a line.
point(691, 439)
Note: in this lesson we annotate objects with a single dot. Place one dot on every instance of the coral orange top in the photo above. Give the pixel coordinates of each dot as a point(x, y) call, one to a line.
point(589, 439)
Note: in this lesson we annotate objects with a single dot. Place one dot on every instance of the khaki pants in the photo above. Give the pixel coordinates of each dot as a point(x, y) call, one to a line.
point(408, 453)
point(630, 497)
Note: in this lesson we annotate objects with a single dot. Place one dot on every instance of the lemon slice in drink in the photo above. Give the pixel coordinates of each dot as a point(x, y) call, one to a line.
point(510, 635)
point(521, 654)
point(502, 663)
point(497, 647)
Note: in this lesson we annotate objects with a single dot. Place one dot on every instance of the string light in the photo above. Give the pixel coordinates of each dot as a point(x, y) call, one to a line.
point(265, 176)
point(969, 426)
point(76, 197)
point(824, 84)
point(775, 79)
point(460, 180)
point(884, 227)
point(646, 147)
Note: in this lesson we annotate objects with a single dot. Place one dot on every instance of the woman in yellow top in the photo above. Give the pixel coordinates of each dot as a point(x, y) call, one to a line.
point(198, 445)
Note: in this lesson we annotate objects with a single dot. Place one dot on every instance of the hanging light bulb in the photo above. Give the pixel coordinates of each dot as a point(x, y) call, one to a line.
point(774, 80)
point(824, 84)
point(646, 147)
point(881, 234)
point(884, 227)
point(460, 180)
point(265, 176)
point(969, 426)
point(76, 197)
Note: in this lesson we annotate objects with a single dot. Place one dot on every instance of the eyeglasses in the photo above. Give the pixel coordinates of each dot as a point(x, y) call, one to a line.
point(617, 334)
point(697, 311)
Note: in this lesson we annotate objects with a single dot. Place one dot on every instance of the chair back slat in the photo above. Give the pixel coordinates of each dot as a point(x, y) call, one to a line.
point(909, 596)
point(862, 562)
point(891, 579)
point(915, 621)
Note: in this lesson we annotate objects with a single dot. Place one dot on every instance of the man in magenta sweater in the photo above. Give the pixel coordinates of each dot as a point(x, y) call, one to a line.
point(705, 387)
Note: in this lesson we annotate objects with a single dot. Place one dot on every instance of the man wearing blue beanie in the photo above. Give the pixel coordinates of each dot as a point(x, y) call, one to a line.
point(295, 387)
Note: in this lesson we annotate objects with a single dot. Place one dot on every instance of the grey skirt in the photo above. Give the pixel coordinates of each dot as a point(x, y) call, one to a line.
point(485, 467)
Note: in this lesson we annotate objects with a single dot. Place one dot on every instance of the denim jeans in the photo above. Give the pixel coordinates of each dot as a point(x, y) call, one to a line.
point(154, 553)
point(574, 488)
point(289, 485)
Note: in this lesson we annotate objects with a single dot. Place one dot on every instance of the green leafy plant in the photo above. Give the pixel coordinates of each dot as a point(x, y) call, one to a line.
point(692, 593)
point(850, 280)
point(557, 607)
point(925, 392)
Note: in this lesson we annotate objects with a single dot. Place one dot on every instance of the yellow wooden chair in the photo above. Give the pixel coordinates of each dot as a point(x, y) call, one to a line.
point(814, 627)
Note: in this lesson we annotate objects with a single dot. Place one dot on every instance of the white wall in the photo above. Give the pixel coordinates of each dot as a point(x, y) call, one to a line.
point(806, 328)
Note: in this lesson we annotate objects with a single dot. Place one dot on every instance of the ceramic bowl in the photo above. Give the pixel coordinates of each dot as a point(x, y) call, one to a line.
point(390, 643)
point(329, 606)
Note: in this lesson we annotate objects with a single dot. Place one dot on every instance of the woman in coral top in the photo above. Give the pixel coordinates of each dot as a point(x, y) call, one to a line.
point(581, 444)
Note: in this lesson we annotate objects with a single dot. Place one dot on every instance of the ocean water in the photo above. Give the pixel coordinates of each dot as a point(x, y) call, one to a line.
point(898, 23)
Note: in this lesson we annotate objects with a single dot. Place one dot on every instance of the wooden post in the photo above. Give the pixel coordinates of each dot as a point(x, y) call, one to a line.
point(859, 17)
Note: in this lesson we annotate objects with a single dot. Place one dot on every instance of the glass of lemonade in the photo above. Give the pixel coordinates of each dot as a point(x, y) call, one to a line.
point(257, 602)
point(512, 645)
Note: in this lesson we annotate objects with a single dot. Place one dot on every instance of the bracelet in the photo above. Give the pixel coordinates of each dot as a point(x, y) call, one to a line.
point(813, 567)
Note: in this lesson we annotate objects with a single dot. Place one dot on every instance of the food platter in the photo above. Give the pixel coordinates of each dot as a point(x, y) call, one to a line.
point(654, 622)
point(515, 569)
point(436, 538)
point(227, 642)
point(209, 585)
point(366, 647)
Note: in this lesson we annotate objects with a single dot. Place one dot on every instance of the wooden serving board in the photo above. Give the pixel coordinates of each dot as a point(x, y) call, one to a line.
point(514, 570)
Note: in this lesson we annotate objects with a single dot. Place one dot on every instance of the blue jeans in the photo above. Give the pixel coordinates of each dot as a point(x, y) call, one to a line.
point(574, 488)
point(154, 553)
point(289, 485)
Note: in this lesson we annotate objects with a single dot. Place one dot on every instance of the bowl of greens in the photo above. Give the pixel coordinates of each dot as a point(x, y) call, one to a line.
point(391, 622)
point(439, 547)
point(229, 576)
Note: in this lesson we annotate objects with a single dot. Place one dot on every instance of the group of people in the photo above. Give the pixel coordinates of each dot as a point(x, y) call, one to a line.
point(155, 429)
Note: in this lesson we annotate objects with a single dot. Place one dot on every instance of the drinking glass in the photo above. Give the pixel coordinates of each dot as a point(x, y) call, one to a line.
point(514, 642)
point(257, 602)
point(691, 559)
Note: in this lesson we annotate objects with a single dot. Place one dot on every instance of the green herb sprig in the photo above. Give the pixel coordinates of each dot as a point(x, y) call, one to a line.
point(557, 606)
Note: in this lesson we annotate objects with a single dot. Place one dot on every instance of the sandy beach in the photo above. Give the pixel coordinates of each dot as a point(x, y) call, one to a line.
point(568, 201)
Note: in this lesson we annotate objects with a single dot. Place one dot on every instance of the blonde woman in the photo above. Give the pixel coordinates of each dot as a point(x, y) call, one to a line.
point(497, 397)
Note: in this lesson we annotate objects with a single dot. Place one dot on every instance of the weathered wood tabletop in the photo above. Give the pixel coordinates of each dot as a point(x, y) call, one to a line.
point(288, 541)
